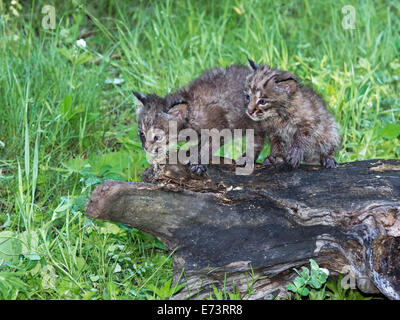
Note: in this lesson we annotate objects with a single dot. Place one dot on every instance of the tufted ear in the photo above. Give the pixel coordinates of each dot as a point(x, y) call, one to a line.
point(286, 82)
point(142, 98)
point(179, 110)
point(254, 66)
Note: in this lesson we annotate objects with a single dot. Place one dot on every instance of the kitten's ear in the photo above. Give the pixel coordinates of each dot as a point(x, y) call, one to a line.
point(254, 66)
point(142, 98)
point(286, 82)
point(179, 110)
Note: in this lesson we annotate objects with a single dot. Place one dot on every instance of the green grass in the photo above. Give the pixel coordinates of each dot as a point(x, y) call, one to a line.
point(63, 130)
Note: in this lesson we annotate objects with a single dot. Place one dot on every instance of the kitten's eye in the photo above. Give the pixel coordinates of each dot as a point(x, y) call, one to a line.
point(141, 134)
point(247, 97)
point(262, 102)
point(157, 137)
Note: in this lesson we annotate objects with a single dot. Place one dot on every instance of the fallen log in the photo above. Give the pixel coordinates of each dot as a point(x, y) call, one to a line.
point(251, 231)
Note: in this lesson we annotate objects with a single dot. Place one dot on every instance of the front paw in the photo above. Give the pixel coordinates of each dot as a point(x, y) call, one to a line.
point(198, 169)
point(243, 161)
point(270, 161)
point(295, 156)
point(329, 163)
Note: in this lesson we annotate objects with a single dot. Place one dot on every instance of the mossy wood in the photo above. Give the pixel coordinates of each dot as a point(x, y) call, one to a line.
point(251, 231)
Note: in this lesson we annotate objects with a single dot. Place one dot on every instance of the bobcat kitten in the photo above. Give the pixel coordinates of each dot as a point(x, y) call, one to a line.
point(213, 100)
point(295, 118)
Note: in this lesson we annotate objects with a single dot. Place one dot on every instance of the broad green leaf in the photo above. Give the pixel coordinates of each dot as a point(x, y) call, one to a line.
point(89, 295)
point(29, 245)
point(36, 269)
point(299, 282)
point(75, 164)
point(291, 287)
point(63, 206)
point(110, 228)
point(80, 263)
point(390, 131)
point(66, 53)
point(304, 291)
point(313, 265)
point(10, 247)
point(66, 107)
point(317, 294)
point(130, 143)
point(315, 283)
point(233, 149)
point(94, 278)
point(305, 273)
point(82, 58)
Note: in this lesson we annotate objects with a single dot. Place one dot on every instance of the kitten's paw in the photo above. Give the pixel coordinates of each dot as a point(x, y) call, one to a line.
point(199, 169)
point(242, 161)
point(296, 155)
point(270, 161)
point(329, 163)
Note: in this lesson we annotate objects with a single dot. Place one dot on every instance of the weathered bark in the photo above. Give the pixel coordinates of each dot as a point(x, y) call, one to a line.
point(227, 229)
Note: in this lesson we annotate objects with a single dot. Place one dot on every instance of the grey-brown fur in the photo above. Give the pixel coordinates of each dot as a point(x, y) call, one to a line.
point(213, 100)
point(296, 120)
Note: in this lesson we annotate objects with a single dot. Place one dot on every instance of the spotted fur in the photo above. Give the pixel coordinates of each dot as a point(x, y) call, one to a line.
point(295, 118)
point(213, 100)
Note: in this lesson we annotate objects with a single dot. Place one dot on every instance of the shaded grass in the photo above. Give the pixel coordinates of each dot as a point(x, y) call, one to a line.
point(63, 129)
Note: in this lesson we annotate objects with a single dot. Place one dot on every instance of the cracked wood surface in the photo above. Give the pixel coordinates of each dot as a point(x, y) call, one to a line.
point(263, 225)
